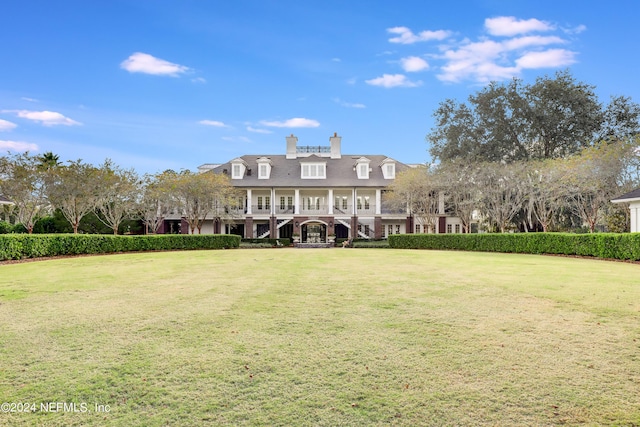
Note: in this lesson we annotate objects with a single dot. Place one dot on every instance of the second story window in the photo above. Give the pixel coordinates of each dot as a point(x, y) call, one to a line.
point(362, 168)
point(313, 171)
point(237, 171)
point(238, 167)
point(264, 167)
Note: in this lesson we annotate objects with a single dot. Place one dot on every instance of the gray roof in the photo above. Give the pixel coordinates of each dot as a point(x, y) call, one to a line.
point(635, 194)
point(286, 172)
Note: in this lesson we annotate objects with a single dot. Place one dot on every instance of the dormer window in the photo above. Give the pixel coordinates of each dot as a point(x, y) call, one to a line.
point(314, 170)
point(362, 168)
point(238, 167)
point(264, 168)
point(388, 169)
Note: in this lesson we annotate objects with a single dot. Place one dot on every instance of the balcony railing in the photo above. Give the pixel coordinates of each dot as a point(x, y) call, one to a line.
point(261, 209)
point(343, 210)
point(280, 209)
point(314, 209)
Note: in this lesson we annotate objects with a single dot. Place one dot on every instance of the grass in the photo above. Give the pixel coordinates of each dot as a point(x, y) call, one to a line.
point(322, 337)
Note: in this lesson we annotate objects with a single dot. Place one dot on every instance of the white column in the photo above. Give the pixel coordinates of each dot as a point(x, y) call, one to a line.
point(354, 209)
point(249, 201)
point(296, 202)
point(330, 204)
point(378, 201)
point(273, 201)
point(635, 218)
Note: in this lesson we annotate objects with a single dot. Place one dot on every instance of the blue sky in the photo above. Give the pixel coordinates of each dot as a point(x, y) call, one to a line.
point(175, 84)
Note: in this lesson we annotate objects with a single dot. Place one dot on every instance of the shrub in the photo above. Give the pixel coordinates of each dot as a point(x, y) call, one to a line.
point(18, 246)
point(371, 243)
point(284, 241)
point(601, 245)
point(5, 227)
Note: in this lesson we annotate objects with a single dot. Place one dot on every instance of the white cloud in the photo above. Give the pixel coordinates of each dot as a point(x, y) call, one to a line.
point(255, 130)
point(7, 125)
point(393, 80)
point(46, 118)
point(575, 30)
point(199, 80)
point(17, 146)
point(523, 42)
point(144, 63)
point(510, 26)
point(336, 60)
point(546, 59)
point(413, 63)
point(406, 36)
point(214, 123)
point(24, 98)
point(348, 104)
point(507, 46)
point(296, 122)
point(489, 60)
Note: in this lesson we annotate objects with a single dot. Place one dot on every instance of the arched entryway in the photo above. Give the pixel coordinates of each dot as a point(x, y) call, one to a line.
point(313, 232)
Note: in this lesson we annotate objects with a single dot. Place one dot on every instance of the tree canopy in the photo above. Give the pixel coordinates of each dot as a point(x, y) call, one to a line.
point(551, 118)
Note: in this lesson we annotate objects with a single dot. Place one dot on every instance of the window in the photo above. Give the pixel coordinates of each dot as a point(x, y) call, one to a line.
point(457, 228)
point(359, 204)
point(263, 171)
point(389, 230)
point(259, 202)
point(267, 202)
point(397, 228)
point(449, 228)
point(313, 203)
point(282, 205)
point(290, 202)
point(236, 172)
point(363, 170)
point(366, 202)
point(417, 228)
point(390, 171)
point(313, 170)
point(367, 229)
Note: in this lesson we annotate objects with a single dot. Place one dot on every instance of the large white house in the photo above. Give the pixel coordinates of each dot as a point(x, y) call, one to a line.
point(314, 193)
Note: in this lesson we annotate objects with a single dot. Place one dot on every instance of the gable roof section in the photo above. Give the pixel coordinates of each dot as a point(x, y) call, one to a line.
point(631, 196)
point(286, 172)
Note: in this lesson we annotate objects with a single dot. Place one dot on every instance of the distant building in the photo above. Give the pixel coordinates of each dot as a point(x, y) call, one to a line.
point(633, 198)
point(314, 193)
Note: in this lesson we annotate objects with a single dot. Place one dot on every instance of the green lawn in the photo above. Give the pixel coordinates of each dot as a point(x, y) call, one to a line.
point(331, 337)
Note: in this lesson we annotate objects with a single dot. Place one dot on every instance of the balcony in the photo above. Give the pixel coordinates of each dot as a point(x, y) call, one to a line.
point(261, 209)
point(316, 209)
point(285, 209)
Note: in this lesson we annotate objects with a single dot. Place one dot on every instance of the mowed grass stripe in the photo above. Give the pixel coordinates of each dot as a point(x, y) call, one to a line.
point(322, 337)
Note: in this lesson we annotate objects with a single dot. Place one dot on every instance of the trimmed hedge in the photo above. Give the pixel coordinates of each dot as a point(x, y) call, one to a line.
point(601, 245)
point(18, 246)
point(284, 241)
point(370, 243)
